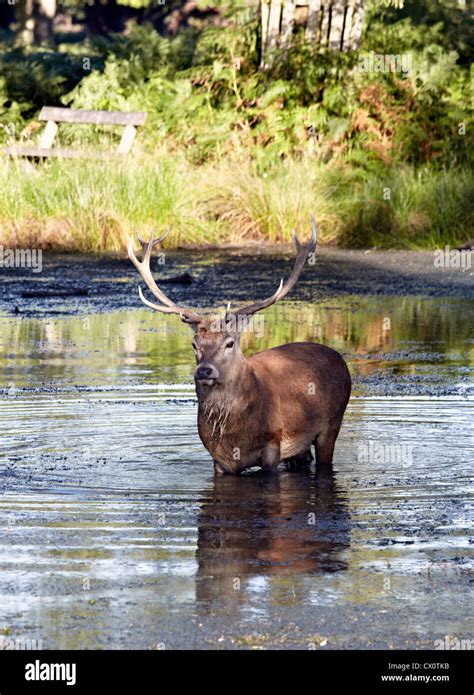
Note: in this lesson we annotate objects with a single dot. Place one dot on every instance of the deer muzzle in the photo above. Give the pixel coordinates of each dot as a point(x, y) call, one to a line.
point(206, 374)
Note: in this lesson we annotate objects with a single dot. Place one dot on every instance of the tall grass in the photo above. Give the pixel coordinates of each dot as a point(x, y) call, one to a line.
point(95, 206)
point(415, 209)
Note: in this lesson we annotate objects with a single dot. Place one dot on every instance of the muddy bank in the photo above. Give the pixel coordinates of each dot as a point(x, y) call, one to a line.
point(110, 283)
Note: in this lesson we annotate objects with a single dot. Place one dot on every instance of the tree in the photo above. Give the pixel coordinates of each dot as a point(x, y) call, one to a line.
point(44, 16)
point(26, 22)
point(35, 20)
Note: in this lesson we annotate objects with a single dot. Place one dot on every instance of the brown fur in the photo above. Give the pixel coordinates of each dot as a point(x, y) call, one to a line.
point(271, 406)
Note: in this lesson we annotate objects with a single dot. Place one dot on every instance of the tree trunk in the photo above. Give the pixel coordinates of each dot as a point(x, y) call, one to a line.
point(25, 20)
point(44, 15)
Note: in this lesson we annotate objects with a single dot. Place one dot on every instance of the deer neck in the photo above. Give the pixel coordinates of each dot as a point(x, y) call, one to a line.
point(225, 404)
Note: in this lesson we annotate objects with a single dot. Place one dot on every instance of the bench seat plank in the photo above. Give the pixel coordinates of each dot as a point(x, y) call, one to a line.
point(60, 115)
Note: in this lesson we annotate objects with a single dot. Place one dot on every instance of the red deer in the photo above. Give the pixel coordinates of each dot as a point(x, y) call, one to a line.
point(271, 406)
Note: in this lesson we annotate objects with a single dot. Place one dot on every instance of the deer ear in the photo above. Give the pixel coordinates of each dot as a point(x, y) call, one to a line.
point(194, 324)
point(237, 324)
point(230, 322)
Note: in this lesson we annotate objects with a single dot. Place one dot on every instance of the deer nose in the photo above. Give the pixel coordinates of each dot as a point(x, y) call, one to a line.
point(206, 371)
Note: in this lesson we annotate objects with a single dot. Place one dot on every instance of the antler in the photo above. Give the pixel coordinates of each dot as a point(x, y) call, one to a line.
point(302, 253)
point(167, 306)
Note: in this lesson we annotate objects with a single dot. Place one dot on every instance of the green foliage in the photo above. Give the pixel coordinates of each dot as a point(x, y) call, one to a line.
point(449, 23)
point(35, 77)
point(315, 113)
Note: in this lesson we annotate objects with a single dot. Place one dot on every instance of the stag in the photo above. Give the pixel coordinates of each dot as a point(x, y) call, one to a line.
point(271, 406)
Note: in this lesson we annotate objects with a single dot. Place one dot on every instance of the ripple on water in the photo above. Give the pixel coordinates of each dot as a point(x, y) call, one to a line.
point(114, 532)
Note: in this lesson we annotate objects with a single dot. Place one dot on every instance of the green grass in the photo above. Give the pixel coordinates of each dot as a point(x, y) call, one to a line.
point(230, 153)
point(427, 208)
point(95, 206)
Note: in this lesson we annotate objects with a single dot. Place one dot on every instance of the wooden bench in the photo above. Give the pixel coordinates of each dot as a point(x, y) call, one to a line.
point(54, 115)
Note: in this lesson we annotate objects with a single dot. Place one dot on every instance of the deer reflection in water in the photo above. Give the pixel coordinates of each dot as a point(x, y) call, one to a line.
point(292, 524)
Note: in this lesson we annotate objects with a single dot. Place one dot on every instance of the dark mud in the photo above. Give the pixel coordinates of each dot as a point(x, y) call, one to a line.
point(111, 282)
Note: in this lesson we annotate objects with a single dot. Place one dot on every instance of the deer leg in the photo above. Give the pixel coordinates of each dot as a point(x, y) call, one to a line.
point(305, 458)
point(271, 458)
point(324, 447)
point(218, 470)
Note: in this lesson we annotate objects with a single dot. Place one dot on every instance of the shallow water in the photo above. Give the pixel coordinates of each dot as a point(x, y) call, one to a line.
point(115, 533)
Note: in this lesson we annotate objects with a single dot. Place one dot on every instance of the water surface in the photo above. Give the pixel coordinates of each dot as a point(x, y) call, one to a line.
point(114, 532)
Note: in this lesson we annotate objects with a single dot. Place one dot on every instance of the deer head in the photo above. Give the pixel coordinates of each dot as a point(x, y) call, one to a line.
point(216, 339)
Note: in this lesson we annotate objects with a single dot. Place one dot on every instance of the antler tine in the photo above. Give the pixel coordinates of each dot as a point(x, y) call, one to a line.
point(302, 253)
point(158, 307)
point(167, 306)
point(156, 241)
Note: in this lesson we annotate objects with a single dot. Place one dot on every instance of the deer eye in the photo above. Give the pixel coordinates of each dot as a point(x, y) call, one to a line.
point(229, 344)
